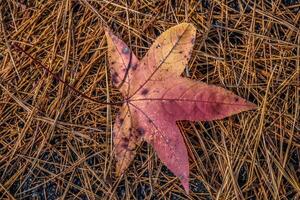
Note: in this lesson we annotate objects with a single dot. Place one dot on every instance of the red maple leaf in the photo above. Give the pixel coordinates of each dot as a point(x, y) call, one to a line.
point(156, 96)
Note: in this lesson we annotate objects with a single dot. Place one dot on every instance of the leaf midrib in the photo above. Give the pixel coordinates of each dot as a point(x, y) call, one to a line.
point(160, 64)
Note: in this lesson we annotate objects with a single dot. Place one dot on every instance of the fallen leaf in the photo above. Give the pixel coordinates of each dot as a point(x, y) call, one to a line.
point(156, 96)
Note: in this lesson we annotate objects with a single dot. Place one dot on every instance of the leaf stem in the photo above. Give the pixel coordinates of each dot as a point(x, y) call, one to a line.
point(17, 47)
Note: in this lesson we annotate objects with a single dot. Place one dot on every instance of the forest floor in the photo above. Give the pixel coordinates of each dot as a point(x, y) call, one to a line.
point(57, 144)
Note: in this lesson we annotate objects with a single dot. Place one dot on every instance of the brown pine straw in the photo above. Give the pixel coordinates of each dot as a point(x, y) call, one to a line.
point(57, 144)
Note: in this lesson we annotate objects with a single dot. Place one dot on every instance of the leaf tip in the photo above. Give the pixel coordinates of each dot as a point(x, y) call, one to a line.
point(185, 183)
point(107, 32)
point(189, 26)
point(251, 106)
point(119, 170)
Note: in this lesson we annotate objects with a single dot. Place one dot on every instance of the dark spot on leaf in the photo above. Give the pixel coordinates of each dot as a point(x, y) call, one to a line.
point(113, 62)
point(124, 145)
point(133, 67)
point(114, 77)
point(125, 140)
point(140, 131)
point(150, 121)
point(144, 91)
point(216, 109)
point(125, 50)
point(158, 46)
point(121, 120)
point(114, 80)
point(180, 52)
point(236, 99)
point(135, 136)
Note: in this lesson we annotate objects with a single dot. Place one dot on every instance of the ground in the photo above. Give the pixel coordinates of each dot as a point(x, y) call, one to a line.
point(56, 143)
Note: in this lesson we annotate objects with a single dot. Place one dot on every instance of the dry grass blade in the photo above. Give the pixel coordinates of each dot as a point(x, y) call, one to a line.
point(55, 143)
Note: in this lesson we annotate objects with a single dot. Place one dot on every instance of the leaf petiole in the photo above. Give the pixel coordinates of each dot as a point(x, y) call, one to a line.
point(17, 47)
